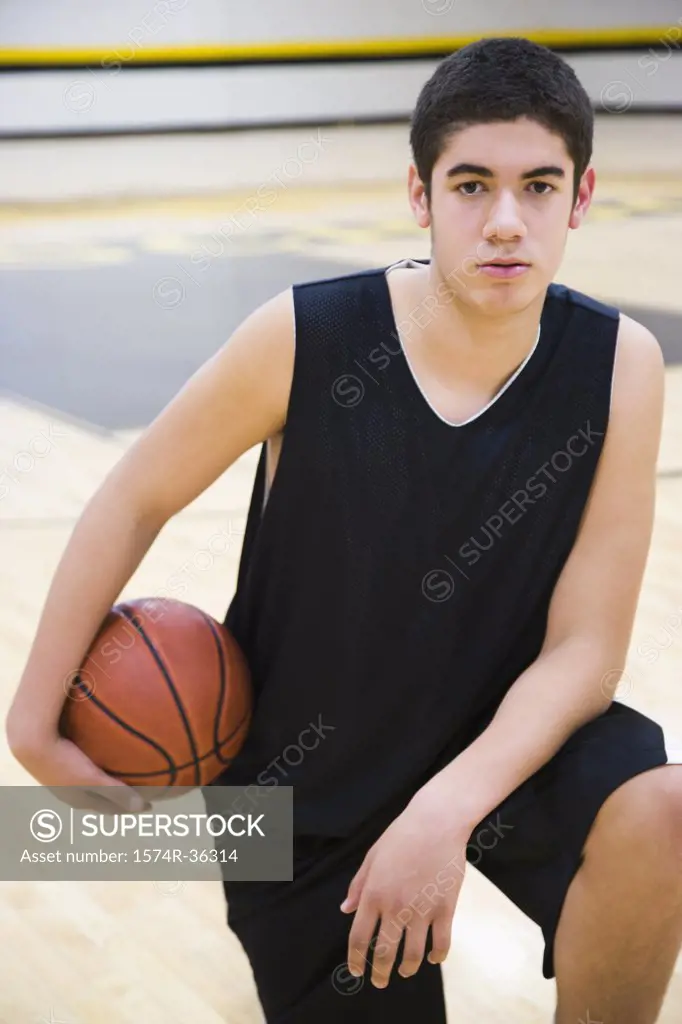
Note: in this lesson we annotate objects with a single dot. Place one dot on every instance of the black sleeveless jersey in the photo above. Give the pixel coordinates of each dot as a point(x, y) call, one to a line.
point(398, 579)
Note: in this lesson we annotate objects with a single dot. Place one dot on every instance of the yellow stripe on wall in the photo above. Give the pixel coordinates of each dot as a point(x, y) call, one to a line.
point(317, 49)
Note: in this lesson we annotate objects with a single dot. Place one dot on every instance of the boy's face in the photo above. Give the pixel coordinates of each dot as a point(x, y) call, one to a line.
point(500, 191)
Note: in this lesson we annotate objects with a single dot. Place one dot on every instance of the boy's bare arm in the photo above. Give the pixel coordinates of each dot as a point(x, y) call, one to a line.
point(236, 399)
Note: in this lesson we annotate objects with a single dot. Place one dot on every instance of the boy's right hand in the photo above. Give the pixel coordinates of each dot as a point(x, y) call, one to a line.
point(57, 762)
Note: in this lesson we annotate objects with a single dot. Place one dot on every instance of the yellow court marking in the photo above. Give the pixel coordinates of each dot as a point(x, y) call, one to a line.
point(319, 49)
point(19, 255)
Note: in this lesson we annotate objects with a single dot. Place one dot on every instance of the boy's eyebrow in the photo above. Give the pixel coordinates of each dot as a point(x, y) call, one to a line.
point(482, 172)
point(545, 171)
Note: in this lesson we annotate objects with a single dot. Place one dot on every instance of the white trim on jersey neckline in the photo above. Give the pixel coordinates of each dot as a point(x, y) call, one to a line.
point(519, 370)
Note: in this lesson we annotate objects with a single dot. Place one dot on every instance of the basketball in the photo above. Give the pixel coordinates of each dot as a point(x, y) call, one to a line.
point(163, 697)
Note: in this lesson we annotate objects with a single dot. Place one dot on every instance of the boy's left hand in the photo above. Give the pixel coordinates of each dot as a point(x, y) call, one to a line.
point(410, 878)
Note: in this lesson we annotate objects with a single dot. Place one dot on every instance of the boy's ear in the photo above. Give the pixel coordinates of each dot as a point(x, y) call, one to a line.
point(584, 198)
point(419, 200)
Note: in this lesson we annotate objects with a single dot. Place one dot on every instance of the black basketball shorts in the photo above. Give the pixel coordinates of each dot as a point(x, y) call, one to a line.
point(296, 938)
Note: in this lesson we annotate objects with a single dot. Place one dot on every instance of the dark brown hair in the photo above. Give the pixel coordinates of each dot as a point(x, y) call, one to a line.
point(501, 79)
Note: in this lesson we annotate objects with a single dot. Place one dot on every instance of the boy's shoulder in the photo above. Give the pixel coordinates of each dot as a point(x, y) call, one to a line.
point(350, 278)
point(634, 340)
point(558, 292)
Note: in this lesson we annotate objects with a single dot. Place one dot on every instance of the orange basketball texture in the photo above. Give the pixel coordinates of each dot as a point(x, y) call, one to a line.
point(163, 697)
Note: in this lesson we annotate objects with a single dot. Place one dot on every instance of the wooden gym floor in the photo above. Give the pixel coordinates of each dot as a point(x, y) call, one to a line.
point(104, 315)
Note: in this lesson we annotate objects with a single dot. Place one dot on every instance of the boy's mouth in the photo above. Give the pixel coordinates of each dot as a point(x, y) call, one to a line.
point(504, 268)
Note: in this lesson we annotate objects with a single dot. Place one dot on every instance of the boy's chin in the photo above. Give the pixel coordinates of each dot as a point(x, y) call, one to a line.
point(508, 296)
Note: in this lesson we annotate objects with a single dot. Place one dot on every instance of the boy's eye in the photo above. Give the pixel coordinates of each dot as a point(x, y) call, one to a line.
point(467, 187)
point(544, 185)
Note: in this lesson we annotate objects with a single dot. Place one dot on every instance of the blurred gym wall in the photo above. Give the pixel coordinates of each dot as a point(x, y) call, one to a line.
point(71, 67)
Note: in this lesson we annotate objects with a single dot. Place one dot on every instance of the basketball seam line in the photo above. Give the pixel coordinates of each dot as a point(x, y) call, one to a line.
point(136, 624)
